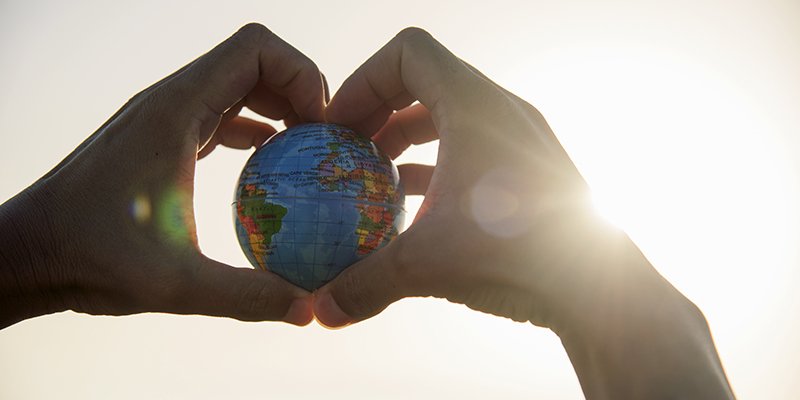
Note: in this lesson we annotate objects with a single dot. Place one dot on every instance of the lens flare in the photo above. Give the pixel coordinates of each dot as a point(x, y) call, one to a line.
point(175, 218)
point(495, 205)
point(140, 209)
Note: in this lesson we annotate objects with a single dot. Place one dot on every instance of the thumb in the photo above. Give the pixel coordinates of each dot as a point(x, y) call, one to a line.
point(365, 288)
point(245, 294)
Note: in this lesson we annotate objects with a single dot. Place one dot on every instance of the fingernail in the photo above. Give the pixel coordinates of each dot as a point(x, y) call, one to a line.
point(328, 313)
point(300, 312)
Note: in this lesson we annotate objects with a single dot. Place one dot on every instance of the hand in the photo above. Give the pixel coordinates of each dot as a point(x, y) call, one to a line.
point(507, 228)
point(111, 230)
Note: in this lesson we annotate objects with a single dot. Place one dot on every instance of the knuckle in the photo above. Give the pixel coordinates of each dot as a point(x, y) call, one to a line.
point(415, 35)
point(253, 31)
point(314, 72)
point(138, 98)
point(419, 42)
point(309, 72)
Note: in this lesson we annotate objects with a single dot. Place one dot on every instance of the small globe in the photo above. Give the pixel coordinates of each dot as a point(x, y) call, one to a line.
point(313, 200)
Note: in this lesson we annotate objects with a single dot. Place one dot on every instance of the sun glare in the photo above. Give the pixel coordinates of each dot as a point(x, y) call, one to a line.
point(610, 208)
point(696, 174)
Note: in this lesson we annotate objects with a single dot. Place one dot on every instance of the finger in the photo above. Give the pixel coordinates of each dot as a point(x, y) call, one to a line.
point(372, 123)
point(326, 87)
point(291, 120)
point(366, 288)
point(533, 114)
point(411, 66)
point(267, 103)
point(252, 56)
point(238, 133)
point(411, 125)
point(537, 123)
point(415, 177)
point(232, 112)
point(244, 133)
point(220, 290)
point(359, 292)
point(524, 106)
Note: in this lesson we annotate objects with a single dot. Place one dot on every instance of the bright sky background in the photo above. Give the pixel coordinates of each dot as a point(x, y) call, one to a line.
point(684, 116)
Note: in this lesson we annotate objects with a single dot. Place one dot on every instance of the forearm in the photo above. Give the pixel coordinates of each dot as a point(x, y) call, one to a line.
point(28, 287)
point(656, 345)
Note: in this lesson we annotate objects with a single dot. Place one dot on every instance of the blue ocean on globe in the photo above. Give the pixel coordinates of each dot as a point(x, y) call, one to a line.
point(315, 199)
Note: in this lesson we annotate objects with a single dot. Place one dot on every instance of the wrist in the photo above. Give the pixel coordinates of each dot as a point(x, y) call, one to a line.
point(30, 282)
point(667, 355)
point(631, 334)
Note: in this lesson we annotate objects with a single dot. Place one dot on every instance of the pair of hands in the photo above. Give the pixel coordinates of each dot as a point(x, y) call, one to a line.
point(505, 227)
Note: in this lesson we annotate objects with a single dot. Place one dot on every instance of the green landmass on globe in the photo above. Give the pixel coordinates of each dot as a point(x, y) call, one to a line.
point(315, 199)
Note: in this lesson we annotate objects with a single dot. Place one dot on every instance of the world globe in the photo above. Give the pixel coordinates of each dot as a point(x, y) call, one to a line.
point(314, 199)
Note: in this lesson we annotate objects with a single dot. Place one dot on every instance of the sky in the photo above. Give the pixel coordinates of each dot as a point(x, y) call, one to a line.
point(682, 116)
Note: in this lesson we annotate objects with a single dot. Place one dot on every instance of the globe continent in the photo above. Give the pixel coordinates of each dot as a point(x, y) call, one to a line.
point(313, 200)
